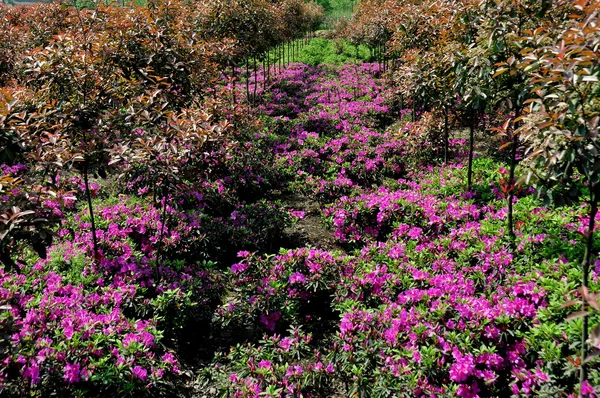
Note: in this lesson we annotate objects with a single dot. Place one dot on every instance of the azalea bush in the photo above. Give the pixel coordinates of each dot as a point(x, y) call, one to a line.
point(291, 288)
point(74, 332)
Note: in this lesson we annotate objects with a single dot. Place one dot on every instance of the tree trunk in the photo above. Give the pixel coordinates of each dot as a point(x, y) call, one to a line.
point(88, 195)
point(401, 103)
point(280, 48)
point(511, 176)
point(585, 265)
point(233, 83)
point(471, 149)
point(446, 134)
point(511, 186)
point(255, 82)
point(264, 73)
point(248, 82)
point(163, 219)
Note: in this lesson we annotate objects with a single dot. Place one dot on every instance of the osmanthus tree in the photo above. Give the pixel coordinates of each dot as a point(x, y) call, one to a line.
point(29, 206)
point(435, 65)
point(432, 39)
point(561, 130)
point(370, 25)
point(249, 24)
point(80, 93)
point(296, 18)
point(24, 28)
point(439, 40)
point(253, 27)
point(77, 73)
point(168, 148)
point(471, 70)
point(494, 56)
point(414, 37)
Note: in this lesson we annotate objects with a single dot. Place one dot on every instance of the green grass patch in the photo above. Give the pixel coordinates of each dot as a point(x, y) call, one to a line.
point(326, 51)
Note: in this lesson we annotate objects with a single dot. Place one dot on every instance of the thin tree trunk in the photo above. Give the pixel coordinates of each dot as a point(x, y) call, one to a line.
point(88, 195)
point(248, 83)
point(355, 87)
point(471, 148)
point(401, 103)
point(163, 219)
point(255, 82)
point(446, 134)
point(511, 186)
point(585, 265)
point(511, 176)
point(233, 82)
point(269, 67)
point(264, 73)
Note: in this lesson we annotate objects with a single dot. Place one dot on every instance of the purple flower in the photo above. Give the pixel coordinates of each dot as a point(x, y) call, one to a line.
point(265, 364)
point(346, 324)
point(169, 359)
point(71, 373)
point(238, 268)
point(270, 320)
point(415, 233)
point(286, 343)
point(462, 368)
point(586, 388)
point(140, 373)
point(297, 277)
point(68, 331)
point(32, 372)
point(297, 214)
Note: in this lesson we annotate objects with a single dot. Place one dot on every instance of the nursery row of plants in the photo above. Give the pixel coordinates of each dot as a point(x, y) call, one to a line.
point(527, 71)
point(182, 216)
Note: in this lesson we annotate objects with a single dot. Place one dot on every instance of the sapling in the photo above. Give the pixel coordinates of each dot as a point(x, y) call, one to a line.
point(561, 127)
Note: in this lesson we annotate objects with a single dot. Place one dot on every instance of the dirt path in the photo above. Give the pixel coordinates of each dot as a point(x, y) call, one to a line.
point(309, 231)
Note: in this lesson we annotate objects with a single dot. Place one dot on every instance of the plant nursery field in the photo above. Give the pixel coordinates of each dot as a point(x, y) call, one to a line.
point(205, 200)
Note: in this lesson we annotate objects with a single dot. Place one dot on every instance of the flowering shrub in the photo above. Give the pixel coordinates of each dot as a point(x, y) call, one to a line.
point(280, 366)
point(291, 288)
point(405, 212)
point(96, 327)
point(74, 331)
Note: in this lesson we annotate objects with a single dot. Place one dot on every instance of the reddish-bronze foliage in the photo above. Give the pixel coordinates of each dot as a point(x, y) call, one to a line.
point(85, 88)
